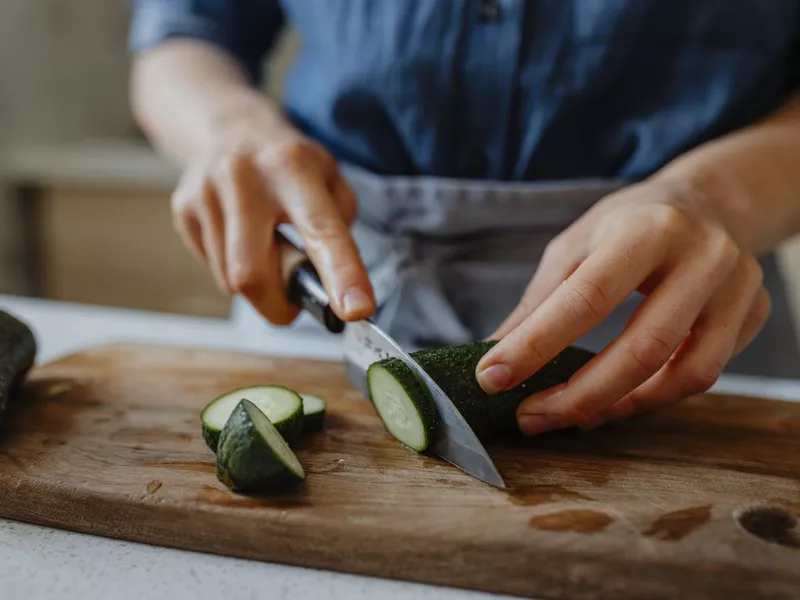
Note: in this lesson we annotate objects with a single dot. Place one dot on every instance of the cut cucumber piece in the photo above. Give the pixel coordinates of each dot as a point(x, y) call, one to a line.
point(252, 455)
point(282, 406)
point(453, 368)
point(403, 403)
point(314, 409)
point(17, 354)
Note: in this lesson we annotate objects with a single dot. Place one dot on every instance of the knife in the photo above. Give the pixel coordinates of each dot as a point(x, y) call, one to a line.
point(364, 344)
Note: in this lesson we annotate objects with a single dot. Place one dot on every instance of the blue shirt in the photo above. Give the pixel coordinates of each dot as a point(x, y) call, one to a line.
point(508, 89)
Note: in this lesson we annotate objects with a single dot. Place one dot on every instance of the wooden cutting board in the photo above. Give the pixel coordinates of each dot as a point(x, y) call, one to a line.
point(699, 501)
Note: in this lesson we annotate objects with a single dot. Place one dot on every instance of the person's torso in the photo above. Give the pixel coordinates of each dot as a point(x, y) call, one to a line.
point(535, 89)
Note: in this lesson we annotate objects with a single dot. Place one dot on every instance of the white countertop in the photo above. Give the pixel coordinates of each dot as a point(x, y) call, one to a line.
point(43, 563)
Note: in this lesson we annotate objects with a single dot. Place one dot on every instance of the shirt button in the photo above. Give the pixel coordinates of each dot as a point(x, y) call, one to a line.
point(489, 11)
point(477, 164)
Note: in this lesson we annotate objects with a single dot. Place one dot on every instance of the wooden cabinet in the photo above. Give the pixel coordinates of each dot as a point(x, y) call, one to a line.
point(117, 247)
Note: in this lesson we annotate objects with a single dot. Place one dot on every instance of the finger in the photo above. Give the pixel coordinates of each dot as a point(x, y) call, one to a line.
point(309, 205)
point(213, 235)
point(345, 198)
point(188, 227)
point(646, 344)
point(554, 268)
point(252, 261)
point(734, 314)
point(603, 281)
point(756, 318)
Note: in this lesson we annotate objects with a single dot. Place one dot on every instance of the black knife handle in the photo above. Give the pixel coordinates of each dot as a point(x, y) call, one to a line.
point(303, 285)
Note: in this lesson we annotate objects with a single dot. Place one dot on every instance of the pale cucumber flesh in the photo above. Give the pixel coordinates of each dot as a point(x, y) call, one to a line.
point(399, 413)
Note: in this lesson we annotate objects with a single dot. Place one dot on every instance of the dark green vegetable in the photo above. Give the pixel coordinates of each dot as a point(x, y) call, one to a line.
point(252, 456)
point(314, 409)
point(453, 368)
point(17, 354)
point(283, 407)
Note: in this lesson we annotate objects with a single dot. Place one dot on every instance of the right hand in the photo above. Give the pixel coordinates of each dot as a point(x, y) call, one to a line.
point(227, 206)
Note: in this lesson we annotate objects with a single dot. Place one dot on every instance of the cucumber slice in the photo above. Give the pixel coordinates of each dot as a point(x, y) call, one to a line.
point(282, 406)
point(314, 409)
point(252, 455)
point(403, 403)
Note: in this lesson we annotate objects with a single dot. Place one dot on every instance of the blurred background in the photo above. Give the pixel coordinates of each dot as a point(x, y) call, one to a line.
point(84, 201)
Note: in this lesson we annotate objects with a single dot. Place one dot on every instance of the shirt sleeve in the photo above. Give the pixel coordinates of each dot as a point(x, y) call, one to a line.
point(246, 29)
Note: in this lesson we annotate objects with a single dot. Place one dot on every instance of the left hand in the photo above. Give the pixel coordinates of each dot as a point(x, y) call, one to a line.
point(704, 303)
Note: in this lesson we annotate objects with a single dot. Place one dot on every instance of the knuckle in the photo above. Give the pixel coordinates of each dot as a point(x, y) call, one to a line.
point(556, 249)
point(181, 204)
point(245, 280)
point(753, 272)
point(231, 166)
point(699, 377)
point(649, 351)
point(348, 204)
point(579, 411)
point(667, 219)
point(587, 300)
point(290, 154)
point(632, 403)
point(531, 352)
point(722, 250)
point(762, 307)
point(207, 196)
point(320, 226)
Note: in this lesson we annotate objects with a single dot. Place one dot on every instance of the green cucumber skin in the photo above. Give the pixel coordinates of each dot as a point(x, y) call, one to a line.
point(417, 392)
point(17, 355)
point(313, 423)
point(290, 428)
point(211, 437)
point(245, 462)
point(489, 416)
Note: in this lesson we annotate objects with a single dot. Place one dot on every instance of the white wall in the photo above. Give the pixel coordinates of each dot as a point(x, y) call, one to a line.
point(63, 69)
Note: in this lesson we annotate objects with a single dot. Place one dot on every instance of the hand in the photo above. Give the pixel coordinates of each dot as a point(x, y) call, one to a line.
point(227, 206)
point(704, 303)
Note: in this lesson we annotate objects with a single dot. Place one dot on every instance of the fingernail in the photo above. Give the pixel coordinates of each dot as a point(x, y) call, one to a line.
point(535, 424)
point(494, 379)
point(593, 423)
point(356, 300)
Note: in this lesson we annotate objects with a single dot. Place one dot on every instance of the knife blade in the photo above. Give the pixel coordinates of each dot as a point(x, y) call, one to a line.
point(364, 344)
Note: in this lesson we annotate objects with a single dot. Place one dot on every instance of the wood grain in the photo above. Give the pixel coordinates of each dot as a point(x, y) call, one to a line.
point(699, 501)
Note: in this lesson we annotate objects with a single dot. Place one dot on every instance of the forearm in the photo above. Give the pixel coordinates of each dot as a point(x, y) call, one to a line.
point(750, 179)
point(191, 98)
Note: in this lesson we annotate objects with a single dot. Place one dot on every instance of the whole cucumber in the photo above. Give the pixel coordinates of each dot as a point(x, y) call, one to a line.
point(17, 355)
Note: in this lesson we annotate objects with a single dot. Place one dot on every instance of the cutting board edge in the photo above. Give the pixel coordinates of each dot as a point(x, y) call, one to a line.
point(585, 577)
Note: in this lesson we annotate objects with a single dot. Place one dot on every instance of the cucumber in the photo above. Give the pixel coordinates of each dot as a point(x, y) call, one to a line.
point(453, 368)
point(252, 455)
point(17, 354)
point(282, 406)
point(314, 409)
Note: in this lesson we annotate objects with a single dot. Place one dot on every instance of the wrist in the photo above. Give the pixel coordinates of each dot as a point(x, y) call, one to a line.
point(247, 120)
point(717, 198)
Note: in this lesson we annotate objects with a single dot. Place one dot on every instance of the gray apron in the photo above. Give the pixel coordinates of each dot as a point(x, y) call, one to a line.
point(449, 260)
